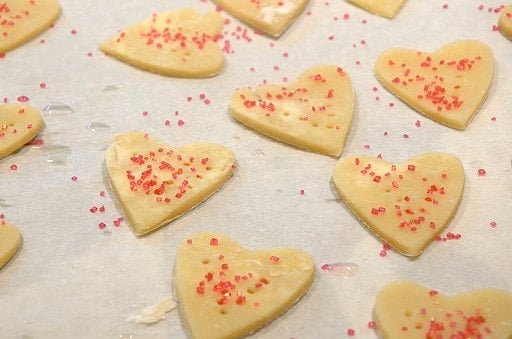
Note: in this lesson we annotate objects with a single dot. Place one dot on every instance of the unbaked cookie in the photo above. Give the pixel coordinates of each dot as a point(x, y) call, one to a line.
point(10, 241)
point(270, 16)
point(407, 204)
point(227, 291)
point(404, 309)
point(313, 113)
point(22, 20)
point(385, 8)
point(448, 86)
point(179, 43)
point(505, 21)
point(156, 183)
point(19, 124)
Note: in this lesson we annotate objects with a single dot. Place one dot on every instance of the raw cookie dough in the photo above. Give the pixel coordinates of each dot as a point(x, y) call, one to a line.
point(180, 43)
point(448, 86)
point(270, 16)
point(385, 8)
point(10, 241)
point(406, 310)
point(156, 183)
point(408, 204)
point(313, 113)
point(227, 291)
point(19, 124)
point(22, 20)
point(505, 21)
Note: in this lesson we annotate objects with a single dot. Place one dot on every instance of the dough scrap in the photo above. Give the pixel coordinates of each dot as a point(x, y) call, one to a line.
point(407, 204)
point(406, 310)
point(19, 124)
point(385, 8)
point(448, 86)
point(22, 20)
point(227, 291)
point(156, 183)
point(313, 113)
point(179, 43)
point(272, 17)
point(10, 241)
point(505, 21)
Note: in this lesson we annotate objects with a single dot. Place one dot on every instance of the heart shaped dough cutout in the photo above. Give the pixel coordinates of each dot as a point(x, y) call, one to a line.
point(385, 8)
point(272, 17)
point(10, 241)
point(408, 204)
point(314, 113)
point(156, 183)
point(22, 20)
point(180, 43)
point(227, 291)
point(505, 21)
point(406, 310)
point(19, 124)
point(448, 86)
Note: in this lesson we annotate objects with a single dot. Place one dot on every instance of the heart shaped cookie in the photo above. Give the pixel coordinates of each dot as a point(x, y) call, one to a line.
point(10, 241)
point(385, 8)
point(314, 113)
point(180, 43)
point(505, 21)
point(407, 204)
point(272, 17)
point(156, 183)
point(18, 125)
point(404, 309)
point(22, 20)
point(227, 291)
point(448, 86)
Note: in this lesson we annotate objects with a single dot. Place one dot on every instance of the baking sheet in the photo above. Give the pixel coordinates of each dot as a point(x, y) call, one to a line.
point(73, 279)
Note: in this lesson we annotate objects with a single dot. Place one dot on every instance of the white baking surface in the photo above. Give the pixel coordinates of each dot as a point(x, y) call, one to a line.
point(71, 279)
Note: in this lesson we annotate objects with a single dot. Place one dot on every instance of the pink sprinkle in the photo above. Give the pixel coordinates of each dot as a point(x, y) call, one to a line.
point(481, 172)
point(417, 123)
point(23, 98)
point(89, 54)
point(406, 136)
point(102, 225)
point(73, 31)
point(74, 178)
point(493, 119)
point(372, 324)
point(366, 146)
point(145, 113)
point(181, 122)
point(93, 209)
point(42, 85)
point(383, 253)
point(14, 167)
point(102, 209)
point(214, 241)
point(102, 193)
point(445, 6)
point(433, 293)
point(351, 332)
point(167, 122)
point(493, 224)
point(301, 192)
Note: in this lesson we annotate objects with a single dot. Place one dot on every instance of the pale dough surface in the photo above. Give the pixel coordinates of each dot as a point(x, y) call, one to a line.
point(270, 16)
point(178, 43)
point(385, 8)
point(406, 310)
point(22, 20)
point(314, 112)
point(448, 86)
point(156, 183)
point(405, 204)
point(19, 124)
point(227, 291)
point(10, 241)
point(505, 21)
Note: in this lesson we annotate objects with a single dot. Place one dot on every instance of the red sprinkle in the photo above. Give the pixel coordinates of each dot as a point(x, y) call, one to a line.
point(481, 172)
point(214, 241)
